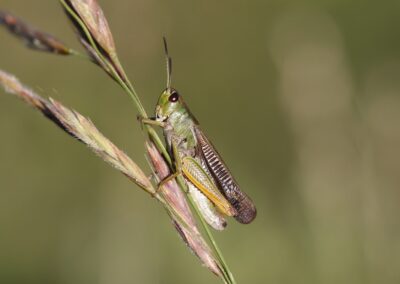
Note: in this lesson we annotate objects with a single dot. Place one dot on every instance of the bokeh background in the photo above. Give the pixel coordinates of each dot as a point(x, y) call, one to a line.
point(300, 97)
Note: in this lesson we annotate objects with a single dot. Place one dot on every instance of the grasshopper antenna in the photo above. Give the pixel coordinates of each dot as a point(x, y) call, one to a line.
point(169, 63)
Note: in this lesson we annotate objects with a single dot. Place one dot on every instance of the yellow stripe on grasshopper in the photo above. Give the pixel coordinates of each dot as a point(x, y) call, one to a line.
point(193, 171)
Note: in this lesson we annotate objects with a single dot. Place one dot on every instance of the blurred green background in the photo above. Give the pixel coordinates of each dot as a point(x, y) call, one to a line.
point(300, 97)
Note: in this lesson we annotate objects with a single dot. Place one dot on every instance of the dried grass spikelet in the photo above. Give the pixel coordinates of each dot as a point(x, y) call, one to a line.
point(80, 128)
point(32, 37)
point(94, 33)
point(91, 14)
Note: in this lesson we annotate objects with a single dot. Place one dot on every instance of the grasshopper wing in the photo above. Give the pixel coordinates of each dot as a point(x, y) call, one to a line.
point(246, 211)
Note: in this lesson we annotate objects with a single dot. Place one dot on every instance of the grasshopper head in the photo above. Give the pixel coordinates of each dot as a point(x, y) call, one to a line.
point(169, 102)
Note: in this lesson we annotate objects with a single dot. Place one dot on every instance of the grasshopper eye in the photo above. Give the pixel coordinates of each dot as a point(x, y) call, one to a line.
point(173, 97)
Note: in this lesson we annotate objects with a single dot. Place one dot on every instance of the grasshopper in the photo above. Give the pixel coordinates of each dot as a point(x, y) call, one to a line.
point(210, 183)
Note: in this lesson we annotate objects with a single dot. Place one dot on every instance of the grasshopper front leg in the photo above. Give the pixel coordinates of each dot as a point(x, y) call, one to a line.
point(153, 122)
point(150, 121)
